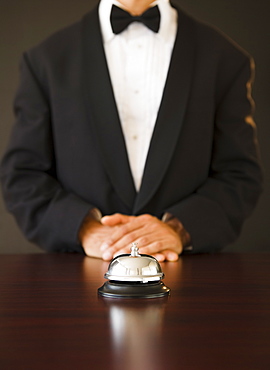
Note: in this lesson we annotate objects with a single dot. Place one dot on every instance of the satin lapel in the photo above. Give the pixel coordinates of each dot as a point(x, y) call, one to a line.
point(103, 112)
point(171, 113)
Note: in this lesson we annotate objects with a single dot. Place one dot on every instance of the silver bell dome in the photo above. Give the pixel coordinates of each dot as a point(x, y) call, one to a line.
point(134, 267)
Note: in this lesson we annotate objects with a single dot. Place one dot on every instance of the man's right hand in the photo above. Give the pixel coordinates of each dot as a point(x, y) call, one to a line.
point(92, 235)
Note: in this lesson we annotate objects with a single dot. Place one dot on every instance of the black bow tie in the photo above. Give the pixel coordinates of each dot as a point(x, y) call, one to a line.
point(120, 19)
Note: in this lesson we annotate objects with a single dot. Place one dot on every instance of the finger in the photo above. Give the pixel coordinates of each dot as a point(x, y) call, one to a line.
point(117, 233)
point(124, 234)
point(110, 249)
point(141, 223)
point(153, 246)
point(110, 253)
point(107, 255)
point(126, 224)
point(170, 247)
point(120, 247)
point(170, 255)
point(115, 219)
point(122, 251)
point(159, 256)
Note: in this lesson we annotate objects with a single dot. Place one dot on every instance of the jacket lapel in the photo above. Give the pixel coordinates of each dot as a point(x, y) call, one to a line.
point(171, 113)
point(103, 112)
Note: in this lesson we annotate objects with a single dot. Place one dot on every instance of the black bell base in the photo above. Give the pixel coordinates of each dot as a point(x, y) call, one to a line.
point(112, 289)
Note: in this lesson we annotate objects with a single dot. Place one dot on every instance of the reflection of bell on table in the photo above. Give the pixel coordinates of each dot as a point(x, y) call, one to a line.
point(134, 276)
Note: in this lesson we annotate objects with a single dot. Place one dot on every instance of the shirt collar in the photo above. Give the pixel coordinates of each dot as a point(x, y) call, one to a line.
point(167, 22)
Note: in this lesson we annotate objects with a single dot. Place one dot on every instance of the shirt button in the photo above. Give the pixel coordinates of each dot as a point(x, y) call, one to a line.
point(134, 137)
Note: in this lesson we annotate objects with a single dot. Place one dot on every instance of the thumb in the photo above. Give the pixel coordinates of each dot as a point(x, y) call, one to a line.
point(116, 219)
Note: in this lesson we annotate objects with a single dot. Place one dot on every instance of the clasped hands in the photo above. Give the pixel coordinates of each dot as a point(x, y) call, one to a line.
point(114, 234)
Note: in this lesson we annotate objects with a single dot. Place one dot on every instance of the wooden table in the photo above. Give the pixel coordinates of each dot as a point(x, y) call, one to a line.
point(217, 316)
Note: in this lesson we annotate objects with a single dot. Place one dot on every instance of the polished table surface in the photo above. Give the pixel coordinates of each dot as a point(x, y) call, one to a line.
point(217, 316)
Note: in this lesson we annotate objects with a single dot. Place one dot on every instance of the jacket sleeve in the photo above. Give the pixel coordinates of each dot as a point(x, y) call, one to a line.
point(48, 215)
point(215, 212)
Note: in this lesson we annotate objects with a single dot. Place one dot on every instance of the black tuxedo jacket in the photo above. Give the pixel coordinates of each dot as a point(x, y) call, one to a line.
point(67, 152)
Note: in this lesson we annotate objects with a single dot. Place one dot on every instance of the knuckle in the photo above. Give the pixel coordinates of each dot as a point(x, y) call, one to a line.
point(129, 239)
point(146, 217)
point(123, 229)
point(158, 245)
point(143, 241)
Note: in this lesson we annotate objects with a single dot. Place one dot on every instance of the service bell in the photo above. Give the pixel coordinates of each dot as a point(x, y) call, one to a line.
point(134, 275)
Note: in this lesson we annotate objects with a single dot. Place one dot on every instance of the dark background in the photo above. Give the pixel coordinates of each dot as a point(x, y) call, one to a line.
point(24, 23)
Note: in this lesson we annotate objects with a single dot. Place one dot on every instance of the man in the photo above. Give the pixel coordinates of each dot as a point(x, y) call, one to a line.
point(150, 128)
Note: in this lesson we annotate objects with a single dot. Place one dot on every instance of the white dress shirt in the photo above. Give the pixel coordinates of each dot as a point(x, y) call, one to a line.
point(138, 61)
